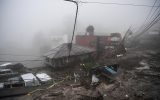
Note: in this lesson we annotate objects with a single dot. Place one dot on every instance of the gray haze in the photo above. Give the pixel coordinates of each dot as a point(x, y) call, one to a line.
point(22, 22)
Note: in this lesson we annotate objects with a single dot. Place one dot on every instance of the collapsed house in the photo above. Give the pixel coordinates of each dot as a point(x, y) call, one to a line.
point(63, 56)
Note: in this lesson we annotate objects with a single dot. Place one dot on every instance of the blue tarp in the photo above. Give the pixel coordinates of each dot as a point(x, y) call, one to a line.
point(110, 70)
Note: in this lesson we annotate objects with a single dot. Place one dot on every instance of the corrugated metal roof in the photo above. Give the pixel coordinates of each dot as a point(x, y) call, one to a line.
point(28, 77)
point(43, 77)
point(63, 51)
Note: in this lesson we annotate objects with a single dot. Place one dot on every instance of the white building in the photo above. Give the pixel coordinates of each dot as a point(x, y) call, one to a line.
point(44, 78)
point(30, 80)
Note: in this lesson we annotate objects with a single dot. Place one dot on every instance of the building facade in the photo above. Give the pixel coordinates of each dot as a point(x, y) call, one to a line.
point(95, 41)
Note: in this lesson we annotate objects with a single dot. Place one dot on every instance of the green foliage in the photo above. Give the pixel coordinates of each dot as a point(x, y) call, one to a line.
point(89, 65)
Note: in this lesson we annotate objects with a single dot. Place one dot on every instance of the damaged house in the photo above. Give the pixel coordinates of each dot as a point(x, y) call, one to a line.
point(91, 40)
point(59, 56)
point(105, 45)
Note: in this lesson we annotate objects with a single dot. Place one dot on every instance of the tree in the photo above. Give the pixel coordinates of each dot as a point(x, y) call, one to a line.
point(90, 30)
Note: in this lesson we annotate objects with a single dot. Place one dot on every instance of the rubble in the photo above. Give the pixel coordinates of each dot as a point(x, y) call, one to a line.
point(144, 65)
point(73, 93)
point(95, 80)
point(132, 80)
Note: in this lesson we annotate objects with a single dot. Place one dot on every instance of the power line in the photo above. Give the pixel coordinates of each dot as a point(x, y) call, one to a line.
point(151, 10)
point(143, 24)
point(155, 11)
point(111, 3)
point(126, 34)
point(150, 25)
point(153, 22)
point(156, 17)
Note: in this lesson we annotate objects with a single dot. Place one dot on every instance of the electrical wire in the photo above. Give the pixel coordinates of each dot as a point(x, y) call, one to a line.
point(153, 22)
point(156, 16)
point(155, 12)
point(142, 26)
point(111, 3)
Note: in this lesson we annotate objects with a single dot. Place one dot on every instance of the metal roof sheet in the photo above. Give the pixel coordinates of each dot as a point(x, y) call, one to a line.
point(28, 77)
point(43, 77)
point(63, 51)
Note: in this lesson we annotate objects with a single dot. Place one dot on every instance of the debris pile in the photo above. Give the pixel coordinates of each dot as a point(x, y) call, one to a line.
point(72, 92)
point(135, 76)
point(136, 79)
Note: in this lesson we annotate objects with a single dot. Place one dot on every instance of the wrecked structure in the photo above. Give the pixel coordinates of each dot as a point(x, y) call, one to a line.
point(59, 56)
point(93, 41)
point(103, 44)
point(136, 79)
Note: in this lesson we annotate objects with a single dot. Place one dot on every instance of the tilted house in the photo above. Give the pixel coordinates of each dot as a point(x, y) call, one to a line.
point(59, 56)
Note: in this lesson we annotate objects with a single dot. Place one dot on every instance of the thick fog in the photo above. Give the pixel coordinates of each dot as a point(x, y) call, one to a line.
point(35, 26)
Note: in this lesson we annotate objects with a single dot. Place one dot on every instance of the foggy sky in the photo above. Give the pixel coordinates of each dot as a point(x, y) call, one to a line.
point(21, 20)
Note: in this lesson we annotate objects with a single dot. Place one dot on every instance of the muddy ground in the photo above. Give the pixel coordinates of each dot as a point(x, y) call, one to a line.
point(138, 78)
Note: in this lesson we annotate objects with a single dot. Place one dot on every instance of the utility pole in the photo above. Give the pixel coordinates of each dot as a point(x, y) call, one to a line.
point(75, 21)
point(128, 33)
